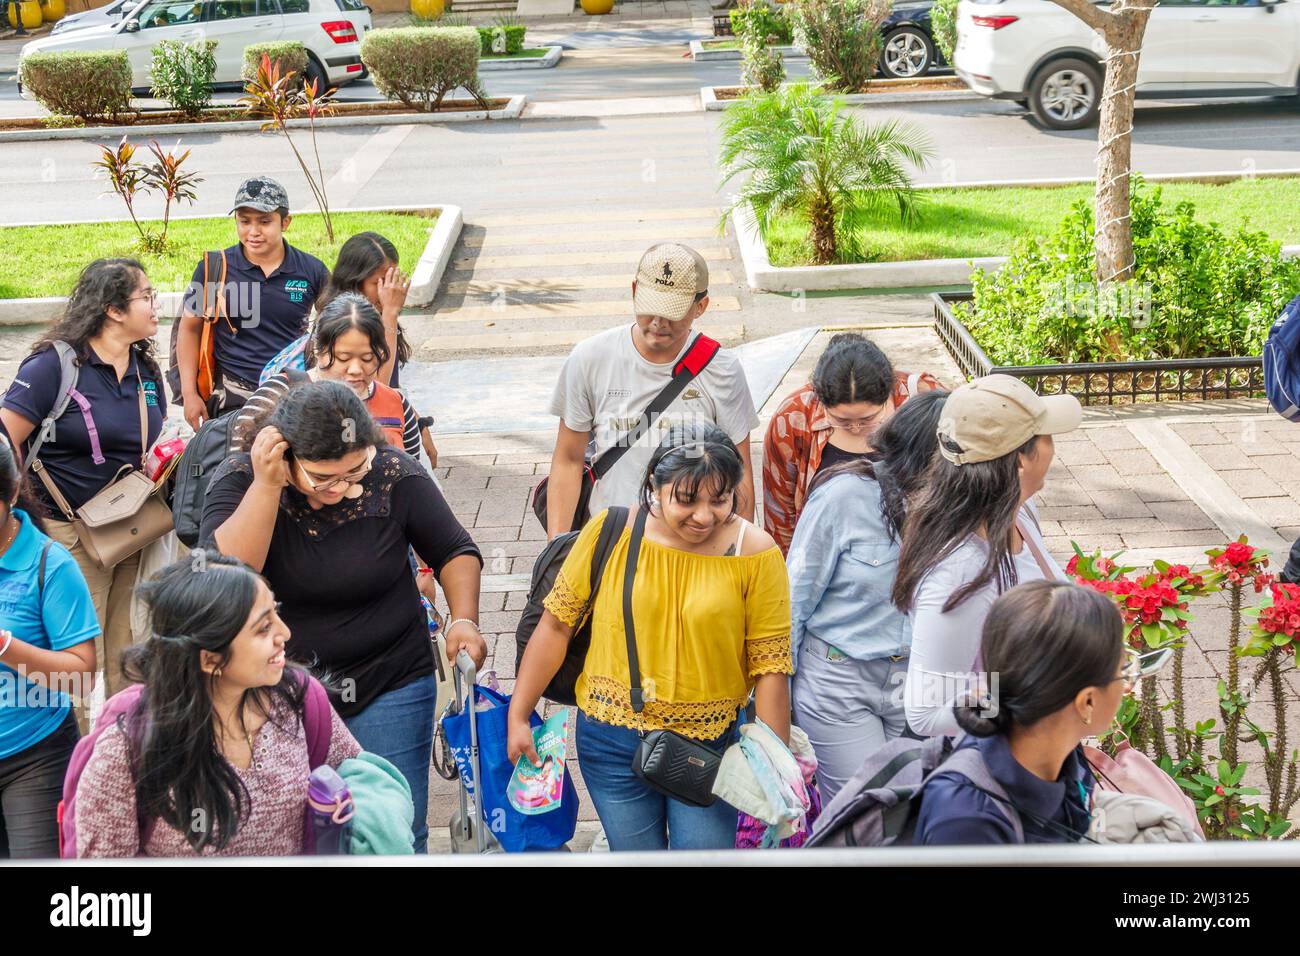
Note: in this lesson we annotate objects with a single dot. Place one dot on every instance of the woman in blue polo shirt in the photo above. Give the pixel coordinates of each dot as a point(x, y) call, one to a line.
point(1062, 669)
point(47, 641)
point(110, 323)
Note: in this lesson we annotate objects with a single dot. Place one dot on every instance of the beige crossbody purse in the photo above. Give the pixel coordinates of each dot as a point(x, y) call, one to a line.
point(123, 518)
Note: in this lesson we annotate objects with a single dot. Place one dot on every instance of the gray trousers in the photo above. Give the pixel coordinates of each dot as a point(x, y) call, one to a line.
point(848, 708)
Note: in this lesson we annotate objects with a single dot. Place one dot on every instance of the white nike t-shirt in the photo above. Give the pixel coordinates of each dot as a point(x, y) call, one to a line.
point(604, 389)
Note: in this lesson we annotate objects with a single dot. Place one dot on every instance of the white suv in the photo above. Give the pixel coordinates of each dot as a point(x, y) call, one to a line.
point(1046, 58)
point(331, 30)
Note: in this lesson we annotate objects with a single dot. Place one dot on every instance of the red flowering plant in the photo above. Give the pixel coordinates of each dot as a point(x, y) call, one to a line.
point(1153, 603)
point(1277, 622)
point(1240, 561)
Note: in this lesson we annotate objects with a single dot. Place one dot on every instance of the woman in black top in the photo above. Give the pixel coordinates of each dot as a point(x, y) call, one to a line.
point(110, 322)
point(327, 513)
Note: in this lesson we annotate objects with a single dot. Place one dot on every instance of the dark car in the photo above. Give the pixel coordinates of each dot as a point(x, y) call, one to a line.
point(909, 49)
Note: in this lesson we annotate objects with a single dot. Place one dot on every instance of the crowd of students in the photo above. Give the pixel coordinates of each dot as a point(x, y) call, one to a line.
point(897, 528)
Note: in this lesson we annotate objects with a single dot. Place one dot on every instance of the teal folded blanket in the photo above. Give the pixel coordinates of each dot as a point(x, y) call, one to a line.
point(381, 825)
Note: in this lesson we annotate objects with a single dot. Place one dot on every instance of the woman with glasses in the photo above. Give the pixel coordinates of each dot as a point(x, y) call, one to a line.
point(830, 421)
point(327, 513)
point(1062, 670)
point(109, 322)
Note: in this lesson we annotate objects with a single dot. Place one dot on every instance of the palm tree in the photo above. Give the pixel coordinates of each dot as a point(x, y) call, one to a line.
point(804, 156)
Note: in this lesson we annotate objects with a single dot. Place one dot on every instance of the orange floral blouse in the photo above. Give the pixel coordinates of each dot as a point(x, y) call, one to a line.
point(792, 452)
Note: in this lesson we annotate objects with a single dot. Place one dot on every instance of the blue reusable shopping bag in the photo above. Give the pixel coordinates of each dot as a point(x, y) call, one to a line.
point(515, 831)
point(292, 356)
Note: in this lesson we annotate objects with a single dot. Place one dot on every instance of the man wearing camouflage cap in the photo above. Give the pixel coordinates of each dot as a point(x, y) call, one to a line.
point(270, 289)
point(609, 380)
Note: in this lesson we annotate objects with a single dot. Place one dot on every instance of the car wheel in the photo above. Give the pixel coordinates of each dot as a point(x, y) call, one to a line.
point(1066, 94)
point(907, 54)
point(315, 73)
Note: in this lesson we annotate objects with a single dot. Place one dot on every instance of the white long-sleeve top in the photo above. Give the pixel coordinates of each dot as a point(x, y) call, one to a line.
point(945, 645)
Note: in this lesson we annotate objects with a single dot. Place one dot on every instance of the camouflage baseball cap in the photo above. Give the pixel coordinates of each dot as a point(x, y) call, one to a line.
point(262, 193)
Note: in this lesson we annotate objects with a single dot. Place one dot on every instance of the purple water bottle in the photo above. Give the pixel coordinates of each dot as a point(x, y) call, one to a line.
point(329, 813)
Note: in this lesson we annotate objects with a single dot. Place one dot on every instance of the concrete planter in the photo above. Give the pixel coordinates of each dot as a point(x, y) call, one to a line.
point(511, 110)
point(710, 101)
point(762, 276)
point(425, 276)
point(552, 58)
point(700, 51)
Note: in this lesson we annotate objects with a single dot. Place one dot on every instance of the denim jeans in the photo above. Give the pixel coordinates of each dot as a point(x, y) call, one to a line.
point(399, 727)
point(636, 817)
point(31, 786)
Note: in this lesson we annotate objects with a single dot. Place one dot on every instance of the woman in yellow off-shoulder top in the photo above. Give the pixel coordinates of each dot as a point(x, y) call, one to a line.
point(711, 604)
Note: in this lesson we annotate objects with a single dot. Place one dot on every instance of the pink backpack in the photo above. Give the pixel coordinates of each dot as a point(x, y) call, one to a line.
point(317, 722)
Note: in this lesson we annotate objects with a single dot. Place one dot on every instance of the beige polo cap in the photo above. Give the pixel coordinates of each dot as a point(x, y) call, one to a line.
point(668, 279)
point(993, 416)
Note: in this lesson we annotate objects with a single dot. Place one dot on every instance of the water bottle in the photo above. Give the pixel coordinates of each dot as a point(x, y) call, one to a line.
point(329, 813)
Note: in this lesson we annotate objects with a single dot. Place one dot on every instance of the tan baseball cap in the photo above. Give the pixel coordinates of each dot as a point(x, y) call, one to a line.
point(993, 416)
point(668, 279)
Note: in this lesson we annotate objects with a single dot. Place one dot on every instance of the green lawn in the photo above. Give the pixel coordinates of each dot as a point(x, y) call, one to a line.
point(964, 223)
point(45, 260)
point(530, 53)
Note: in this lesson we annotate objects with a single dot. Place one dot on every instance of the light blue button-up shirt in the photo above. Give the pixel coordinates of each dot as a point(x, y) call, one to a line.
point(842, 566)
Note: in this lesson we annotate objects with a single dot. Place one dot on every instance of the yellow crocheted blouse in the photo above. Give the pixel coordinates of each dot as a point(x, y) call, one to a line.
point(706, 627)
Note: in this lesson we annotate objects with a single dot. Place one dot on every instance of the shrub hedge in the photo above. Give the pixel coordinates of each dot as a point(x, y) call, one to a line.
point(418, 67)
point(89, 84)
point(291, 55)
point(182, 74)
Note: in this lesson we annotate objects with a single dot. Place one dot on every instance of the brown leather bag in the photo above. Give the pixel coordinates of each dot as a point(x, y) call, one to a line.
point(124, 517)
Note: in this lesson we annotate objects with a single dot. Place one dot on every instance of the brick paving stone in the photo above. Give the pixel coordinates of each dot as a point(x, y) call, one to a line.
point(512, 468)
point(494, 514)
point(1199, 434)
point(483, 536)
point(516, 600)
point(1062, 491)
point(1099, 478)
point(498, 622)
point(515, 549)
point(1169, 539)
point(1120, 504)
point(1223, 457)
point(1114, 438)
point(1052, 528)
point(1134, 462)
point(1251, 484)
point(466, 479)
point(1181, 516)
point(1156, 488)
point(1278, 512)
point(1069, 513)
point(1067, 438)
point(532, 529)
point(451, 461)
point(492, 601)
point(522, 565)
point(1079, 453)
point(511, 482)
point(1062, 549)
point(1091, 528)
point(1281, 468)
point(517, 458)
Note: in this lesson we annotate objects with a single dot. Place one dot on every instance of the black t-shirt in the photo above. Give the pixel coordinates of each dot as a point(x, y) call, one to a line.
point(832, 456)
point(113, 406)
point(343, 575)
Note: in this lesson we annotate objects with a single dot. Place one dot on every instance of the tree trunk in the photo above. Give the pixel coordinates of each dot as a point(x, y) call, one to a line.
point(1121, 29)
point(821, 218)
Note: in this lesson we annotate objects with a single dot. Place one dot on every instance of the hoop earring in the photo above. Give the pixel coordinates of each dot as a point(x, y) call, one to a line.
point(216, 672)
point(654, 503)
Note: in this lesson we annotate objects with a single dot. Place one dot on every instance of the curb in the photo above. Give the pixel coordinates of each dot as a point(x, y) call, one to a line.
point(700, 52)
point(425, 277)
point(552, 58)
point(762, 276)
point(710, 101)
point(511, 110)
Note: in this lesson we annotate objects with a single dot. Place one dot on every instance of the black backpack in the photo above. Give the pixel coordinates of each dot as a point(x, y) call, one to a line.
point(206, 450)
point(545, 570)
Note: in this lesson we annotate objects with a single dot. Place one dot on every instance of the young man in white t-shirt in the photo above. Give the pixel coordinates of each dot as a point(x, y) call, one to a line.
point(609, 379)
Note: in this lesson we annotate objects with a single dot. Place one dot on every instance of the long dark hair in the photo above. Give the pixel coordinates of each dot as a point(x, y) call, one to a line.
point(104, 284)
point(200, 603)
point(958, 501)
point(358, 260)
point(694, 455)
point(905, 447)
point(853, 369)
point(13, 485)
point(344, 313)
point(1046, 641)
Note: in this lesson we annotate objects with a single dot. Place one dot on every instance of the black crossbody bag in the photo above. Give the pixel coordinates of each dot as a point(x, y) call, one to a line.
point(666, 762)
